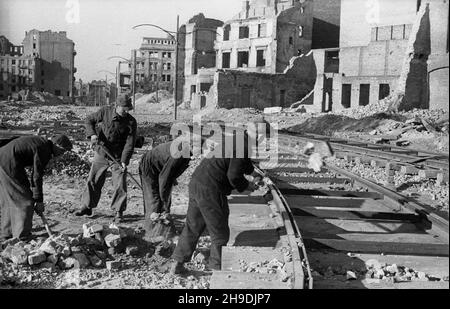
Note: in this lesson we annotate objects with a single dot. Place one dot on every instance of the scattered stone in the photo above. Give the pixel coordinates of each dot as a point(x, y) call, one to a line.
point(47, 266)
point(392, 269)
point(112, 240)
point(132, 251)
point(49, 247)
point(66, 251)
point(37, 258)
point(96, 261)
point(422, 276)
point(379, 274)
point(52, 259)
point(19, 256)
point(351, 275)
point(374, 264)
point(200, 257)
point(82, 259)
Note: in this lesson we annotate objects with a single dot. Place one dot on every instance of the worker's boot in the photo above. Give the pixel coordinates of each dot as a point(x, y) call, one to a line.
point(85, 211)
point(177, 268)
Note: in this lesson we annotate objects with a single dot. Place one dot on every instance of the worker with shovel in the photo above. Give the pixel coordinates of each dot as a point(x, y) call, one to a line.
point(114, 143)
point(159, 168)
point(20, 197)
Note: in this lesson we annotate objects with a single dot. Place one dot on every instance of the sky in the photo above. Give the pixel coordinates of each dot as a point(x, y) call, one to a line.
point(103, 28)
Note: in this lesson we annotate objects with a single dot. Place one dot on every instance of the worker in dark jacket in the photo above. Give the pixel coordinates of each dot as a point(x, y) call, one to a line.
point(159, 168)
point(212, 181)
point(116, 137)
point(20, 197)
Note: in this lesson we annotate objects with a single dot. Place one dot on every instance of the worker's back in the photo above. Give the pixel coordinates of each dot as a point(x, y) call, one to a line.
point(24, 152)
point(156, 159)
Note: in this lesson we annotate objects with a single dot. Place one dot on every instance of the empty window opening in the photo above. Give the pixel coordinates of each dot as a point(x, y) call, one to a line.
point(58, 92)
point(282, 97)
point(291, 40)
point(243, 59)
point(204, 87)
point(226, 33)
point(226, 60)
point(346, 95)
point(262, 30)
point(364, 94)
point(243, 32)
point(384, 92)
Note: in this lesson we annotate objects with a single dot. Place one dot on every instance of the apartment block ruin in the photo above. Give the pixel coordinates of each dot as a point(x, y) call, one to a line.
point(17, 71)
point(155, 64)
point(56, 54)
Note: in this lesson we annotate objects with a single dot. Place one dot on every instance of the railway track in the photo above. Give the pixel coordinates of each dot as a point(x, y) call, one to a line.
point(335, 212)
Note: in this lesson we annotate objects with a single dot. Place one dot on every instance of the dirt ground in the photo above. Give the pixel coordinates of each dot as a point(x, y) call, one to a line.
point(64, 186)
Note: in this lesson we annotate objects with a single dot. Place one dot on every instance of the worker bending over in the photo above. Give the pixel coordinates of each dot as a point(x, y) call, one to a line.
point(159, 168)
point(20, 197)
point(213, 180)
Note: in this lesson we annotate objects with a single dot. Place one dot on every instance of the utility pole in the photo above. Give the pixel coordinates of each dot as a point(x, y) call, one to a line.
point(176, 70)
point(134, 79)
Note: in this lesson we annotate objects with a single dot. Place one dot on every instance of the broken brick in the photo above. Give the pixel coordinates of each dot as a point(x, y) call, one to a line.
point(37, 258)
point(49, 247)
point(112, 240)
point(95, 261)
point(19, 256)
point(82, 259)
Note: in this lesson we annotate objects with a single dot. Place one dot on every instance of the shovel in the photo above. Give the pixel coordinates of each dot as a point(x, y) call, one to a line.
point(47, 227)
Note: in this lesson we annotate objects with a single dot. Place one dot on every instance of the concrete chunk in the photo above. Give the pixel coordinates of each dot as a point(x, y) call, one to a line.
point(112, 240)
point(113, 265)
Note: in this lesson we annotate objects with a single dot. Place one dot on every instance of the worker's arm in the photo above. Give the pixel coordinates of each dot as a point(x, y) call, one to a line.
point(170, 172)
point(92, 120)
point(236, 171)
point(129, 145)
point(36, 177)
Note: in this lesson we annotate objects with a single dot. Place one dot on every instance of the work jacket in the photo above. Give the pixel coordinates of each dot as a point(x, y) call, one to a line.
point(225, 173)
point(27, 151)
point(117, 134)
point(159, 164)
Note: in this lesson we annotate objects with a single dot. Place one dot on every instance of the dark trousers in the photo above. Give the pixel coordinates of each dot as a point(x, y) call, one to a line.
point(96, 181)
point(207, 209)
point(17, 207)
point(152, 199)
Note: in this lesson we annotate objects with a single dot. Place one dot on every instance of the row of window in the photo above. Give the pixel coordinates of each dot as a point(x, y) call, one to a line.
point(156, 41)
point(244, 31)
point(386, 33)
point(155, 54)
point(364, 94)
point(243, 59)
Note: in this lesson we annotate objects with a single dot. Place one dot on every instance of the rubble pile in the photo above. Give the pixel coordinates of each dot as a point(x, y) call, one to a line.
point(96, 247)
point(69, 164)
point(266, 267)
point(396, 273)
point(366, 111)
point(142, 99)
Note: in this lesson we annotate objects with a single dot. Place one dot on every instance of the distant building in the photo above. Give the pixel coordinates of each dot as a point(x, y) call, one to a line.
point(98, 93)
point(196, 56)
point(372, 55)
point(155, 64)
point(17, 72)
point(56, 54)
point(265, 35)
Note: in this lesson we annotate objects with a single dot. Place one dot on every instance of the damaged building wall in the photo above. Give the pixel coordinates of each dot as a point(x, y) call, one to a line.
point(294, 33)
point(196, 49)
point(438, 61)
point(238, 89)
point(265, 35)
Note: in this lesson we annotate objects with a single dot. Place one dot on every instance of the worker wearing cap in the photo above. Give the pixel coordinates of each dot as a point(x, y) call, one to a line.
point(20, 197)
point(114, 139)
point(212, 181)
point(159, 168)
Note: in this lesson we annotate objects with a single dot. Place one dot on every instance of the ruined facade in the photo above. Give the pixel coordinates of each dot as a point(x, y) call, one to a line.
point(56, 54)
point(196, 56)
point(265, 35)
point(240, 89)
point(155, 64)
point(17, 72)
